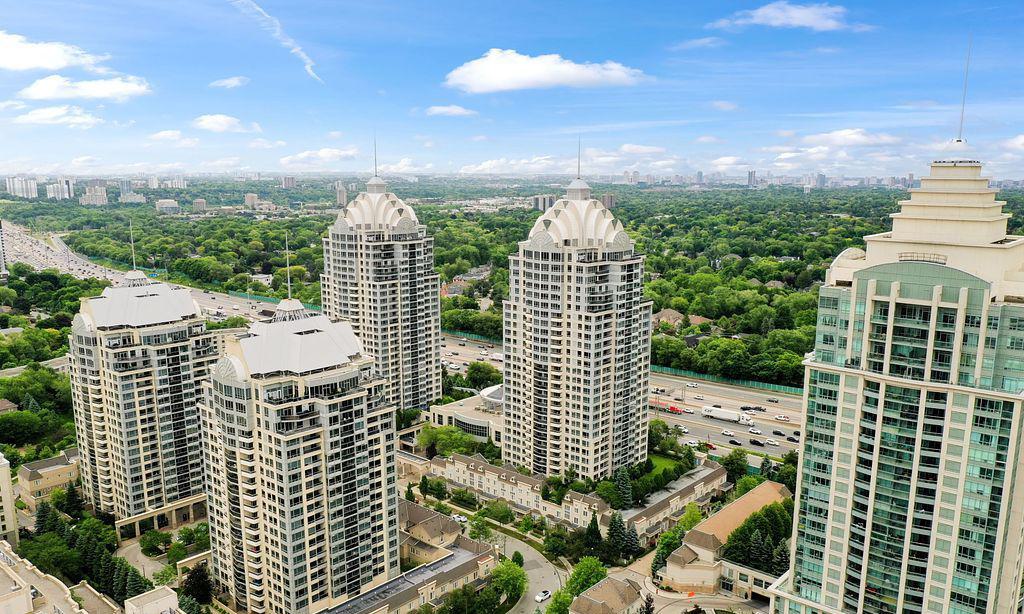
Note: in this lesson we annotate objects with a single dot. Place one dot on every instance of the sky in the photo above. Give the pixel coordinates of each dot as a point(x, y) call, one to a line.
point(868, 88)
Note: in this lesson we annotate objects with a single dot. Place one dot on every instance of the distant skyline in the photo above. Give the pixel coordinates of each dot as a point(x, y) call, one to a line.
point(858, 89)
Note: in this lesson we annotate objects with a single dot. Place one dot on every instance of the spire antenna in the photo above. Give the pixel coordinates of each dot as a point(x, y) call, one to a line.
point(131, 238)
point(963, 96)
point(374, 153)
point(287, 264)
point(579, 156)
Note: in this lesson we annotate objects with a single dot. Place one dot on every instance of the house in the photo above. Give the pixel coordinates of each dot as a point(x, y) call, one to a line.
point(697, 565)
point(667, 316)
point(609, 596)
point(37, 479)
point(6, 406)
point(696, 320)
point(775, 285)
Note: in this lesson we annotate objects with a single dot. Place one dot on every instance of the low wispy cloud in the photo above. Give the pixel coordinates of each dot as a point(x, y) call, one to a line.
point(450, 110)
point(15, 105)
point(174, 138)
point(821, 17)
point(630, 148)
point(19, 53)
point(1016, 142)
point(56, 87)
point(64, 115)
point(405, 165)
point(272, 25)
point(218, 122)
point(707, 139)
point(851, 137)
point(230, 83)
point(724, 105)
point(707, 42)
point(265, 144)
point(503, 70)
point(318, 158)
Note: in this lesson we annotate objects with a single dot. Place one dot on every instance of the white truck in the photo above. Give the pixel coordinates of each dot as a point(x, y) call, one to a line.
point(710, 411)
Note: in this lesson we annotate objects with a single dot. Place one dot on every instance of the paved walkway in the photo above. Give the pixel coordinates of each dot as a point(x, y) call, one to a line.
point(540, 572)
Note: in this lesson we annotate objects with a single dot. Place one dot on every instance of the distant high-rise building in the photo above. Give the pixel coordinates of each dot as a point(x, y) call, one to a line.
point(22, 187)
point(3, 257)
point(751, 179)
point(125, 186)
point(138, 353)
point(94, 195)
point(251, 200)
point(53, 191)
point(543, 202)
point(153, 183)
point(635, 177)
point(177, 183)
point(910, 494)
point(167, 205)
point(340, 193)
point(627, 177)
point(820, 180)
point(577, 344)
point(300, 450)
point(608, 200)
point(700, 177)
point(128, 194)
point(379, 276)
point(287, 182)
point(199, 205)
point(63, 189)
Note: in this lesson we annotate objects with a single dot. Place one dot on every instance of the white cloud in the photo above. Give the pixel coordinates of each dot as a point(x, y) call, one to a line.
point(1016, 142)
point(502, 70)
point(81, 161)
point(522, 166)
point(318, 158)
point(850, 137)
point(724, 105)
point(272, 25)
point(785, 133)
point(15, 105)
point(405, 165)
point(56, 87)
point(174, 138)
point(707, 42)
point(222, 164)
point(335, 134)
point(218, 122)
point(630, 148)
point(726, 164)
point(18, 53)
point(262, 143)
point(451, 110)
point(706, 139)
point(821, 17)
point(230, 83)
point(64, 115)
point(478, 138)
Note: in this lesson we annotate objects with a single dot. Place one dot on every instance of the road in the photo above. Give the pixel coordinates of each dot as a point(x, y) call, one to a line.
point(540, 573)
point(666, 390)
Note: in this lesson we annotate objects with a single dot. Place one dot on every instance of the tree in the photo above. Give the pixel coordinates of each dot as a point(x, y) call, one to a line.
point(197, 584)
point(624, 486)
point(691, 517)
point(761, 549)
point(588, 572)
point(481, 375)
point(176, 553)
point(188, 605)
point(632, 545)
point(735, 464)
point(747, 483)
point(592, 536)
point(409, 494)
point(616, 542)
point(509, 581)
point(187, 535)
point(648, 607)
point(607, 491)
point(479, 529)
point(424, 486)
point(560, 602)
point(137, 584)
point(166, 575)
point(767, 468)
point(787, 475)
point(154, 542)
point(46, 518)
point(52, 555)
point(687, 459)
point(517, 558)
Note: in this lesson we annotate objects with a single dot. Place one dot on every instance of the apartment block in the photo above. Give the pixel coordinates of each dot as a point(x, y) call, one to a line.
point(36, 480)
point(138, 353)
point(300, 454)
point(910, 498)
point(577, 343)
point(379, 276)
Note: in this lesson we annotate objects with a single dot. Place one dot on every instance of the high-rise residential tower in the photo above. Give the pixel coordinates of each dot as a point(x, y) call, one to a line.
point(138, 353)
point(300, 455)
point(577, 343)
point(379, 276)
point(910, 490)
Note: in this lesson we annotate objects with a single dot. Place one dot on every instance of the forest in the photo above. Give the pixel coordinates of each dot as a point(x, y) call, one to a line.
point(745, 262)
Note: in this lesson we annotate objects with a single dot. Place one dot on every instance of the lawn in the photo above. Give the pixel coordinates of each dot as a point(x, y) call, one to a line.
point(660, 462)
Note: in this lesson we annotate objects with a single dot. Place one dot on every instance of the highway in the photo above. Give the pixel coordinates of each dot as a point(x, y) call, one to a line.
point(666, 390)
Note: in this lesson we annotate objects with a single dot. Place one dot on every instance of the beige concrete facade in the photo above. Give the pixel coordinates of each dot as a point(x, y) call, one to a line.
point(160, 600)
point(8, 513)
point(36, 480)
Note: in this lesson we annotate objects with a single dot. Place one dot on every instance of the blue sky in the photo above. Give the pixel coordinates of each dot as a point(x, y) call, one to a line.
point(866, 88)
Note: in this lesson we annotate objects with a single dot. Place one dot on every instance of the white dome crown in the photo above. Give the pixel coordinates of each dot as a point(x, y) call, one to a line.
point(579, 221)
point(378, 209)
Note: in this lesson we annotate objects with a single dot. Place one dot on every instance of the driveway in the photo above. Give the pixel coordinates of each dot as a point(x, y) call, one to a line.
point(539, 571)
point(132, 552)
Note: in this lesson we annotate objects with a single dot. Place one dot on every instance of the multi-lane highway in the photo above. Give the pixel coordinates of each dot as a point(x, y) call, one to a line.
point(666, 390)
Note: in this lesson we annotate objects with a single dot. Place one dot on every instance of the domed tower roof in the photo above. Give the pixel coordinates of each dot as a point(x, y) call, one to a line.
point(579, 221)
point(377, 209)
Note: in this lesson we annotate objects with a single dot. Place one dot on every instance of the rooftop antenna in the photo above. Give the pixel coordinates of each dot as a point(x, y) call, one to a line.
point(579, 155)
point(374, 153)
point(131, 238)
point(963, 96)
point(288, 264)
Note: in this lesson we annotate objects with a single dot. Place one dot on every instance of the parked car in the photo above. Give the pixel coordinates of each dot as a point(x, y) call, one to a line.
point(691, 385)
point(459, 518)
point(771, 442)
point(754, 430)
point(728, 433)
point(684, 430)
point(797, 433)
point(735, 442)
point(542, 596)
point(778, 432)
point(698, 397)
point(792, 439)
point(756, 442)
point(781, 418)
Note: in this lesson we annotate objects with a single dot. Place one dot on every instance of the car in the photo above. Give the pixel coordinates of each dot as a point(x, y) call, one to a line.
point(735, 442)
point(235, 307)
point(542, 596)
point(797, 433)
point(691, 385)
point(792, 439)
point(692, 443)
point(772, 400)
point(754, 430)
point(748, 408)
point(771, 442)
point(462, 343)
point(463, 339)
point(778, 432)
point(709, 445)
point(687, 410)
point(727, 433)
point(684, 430)
point(698, 397)
point(459, 518)
point(658, 390)
point(483, 352)
point(781, 418)
point(756, 442)
point(490, 346)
